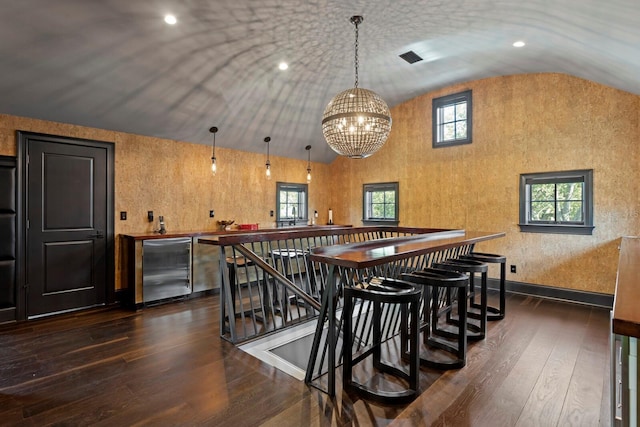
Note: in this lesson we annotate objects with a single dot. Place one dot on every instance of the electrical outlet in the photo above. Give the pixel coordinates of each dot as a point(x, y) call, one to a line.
point(212, 213)
point(270, 213)
point(150, 216)
point(123, 216)
point(513, 268)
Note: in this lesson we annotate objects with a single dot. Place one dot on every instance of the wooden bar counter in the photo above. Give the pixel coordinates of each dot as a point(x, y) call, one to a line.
point(626, 313)
point(355, 257)
point(377, 252)
point(203, 272)
point(625, 326)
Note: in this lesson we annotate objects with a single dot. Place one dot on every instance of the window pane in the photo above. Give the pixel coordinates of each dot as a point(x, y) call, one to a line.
point(389, 196)
point(557, 202)
point(291, 201)
point(449, 131)
point(377, 211)
point(569, 191)
point(542, 211)
point(570, 212)
point(461, 130)
point(292, 197)
point(461, 111)
point(380, 201)
point(451, 119)
point(543, 192)
point(390, 211)
point(448, 114)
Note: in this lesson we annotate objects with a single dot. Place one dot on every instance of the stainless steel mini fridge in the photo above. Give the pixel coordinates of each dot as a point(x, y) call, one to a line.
point(166, 268)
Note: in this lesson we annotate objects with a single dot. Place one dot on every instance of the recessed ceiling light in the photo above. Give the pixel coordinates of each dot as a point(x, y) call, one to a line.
point(518, 44)
point(170, 19)
point(283, 66)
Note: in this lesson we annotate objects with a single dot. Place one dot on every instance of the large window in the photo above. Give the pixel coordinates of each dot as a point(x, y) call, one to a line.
point(380, 203)
point(557, 202)
point(291, 204)
point(452, 119)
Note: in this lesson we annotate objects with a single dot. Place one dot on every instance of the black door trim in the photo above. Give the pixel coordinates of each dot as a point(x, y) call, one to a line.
point(23, 138)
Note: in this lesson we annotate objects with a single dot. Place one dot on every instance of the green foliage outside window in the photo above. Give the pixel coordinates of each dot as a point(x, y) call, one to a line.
point(383, 205)
point(380, 202)
point(557, 202)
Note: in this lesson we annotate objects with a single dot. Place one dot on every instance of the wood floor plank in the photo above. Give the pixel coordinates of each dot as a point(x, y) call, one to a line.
point(582, 405)
point(546, 399)
point(167, 365)
point(501, 390)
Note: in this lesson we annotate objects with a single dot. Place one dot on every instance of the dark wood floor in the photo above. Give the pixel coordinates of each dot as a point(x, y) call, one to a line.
point(546, 364)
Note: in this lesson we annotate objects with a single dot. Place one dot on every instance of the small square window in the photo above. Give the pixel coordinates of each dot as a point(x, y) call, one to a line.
point(557, 202)
point(452, 120)
point(380, 203)
point(291, 204)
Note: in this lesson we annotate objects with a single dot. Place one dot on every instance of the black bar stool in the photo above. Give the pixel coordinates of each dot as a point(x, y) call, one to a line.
point(435, 280)
point(470, 267)
point(387, 291)
point(493, 313)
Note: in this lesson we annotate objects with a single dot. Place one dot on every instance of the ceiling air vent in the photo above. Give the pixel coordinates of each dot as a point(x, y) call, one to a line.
point(411, 57)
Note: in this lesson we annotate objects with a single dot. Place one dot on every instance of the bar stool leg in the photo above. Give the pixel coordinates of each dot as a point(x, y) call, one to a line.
point(493, 313)
point(462, 336)
point(347, 363)
point(483, 303)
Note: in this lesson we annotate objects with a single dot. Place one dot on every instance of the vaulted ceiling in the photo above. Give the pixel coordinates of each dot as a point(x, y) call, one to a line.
point(115, 64)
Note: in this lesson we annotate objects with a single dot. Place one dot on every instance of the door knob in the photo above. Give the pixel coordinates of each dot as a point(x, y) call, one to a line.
point(98, 235)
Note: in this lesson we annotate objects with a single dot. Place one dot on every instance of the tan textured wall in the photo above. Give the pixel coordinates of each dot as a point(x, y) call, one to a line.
point(524, 123)
point(521, 124)
point(174, 180)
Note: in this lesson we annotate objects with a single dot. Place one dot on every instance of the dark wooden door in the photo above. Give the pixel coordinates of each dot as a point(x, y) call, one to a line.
point(67, 219)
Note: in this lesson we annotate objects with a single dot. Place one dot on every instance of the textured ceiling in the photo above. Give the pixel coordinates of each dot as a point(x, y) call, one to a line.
point(115, 64)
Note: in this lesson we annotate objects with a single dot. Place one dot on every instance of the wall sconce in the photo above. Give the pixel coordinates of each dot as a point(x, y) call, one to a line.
point(308, 148)
point(268, 164)
point(214, 167)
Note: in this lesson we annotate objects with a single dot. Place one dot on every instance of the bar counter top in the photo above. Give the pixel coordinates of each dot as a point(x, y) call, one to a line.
point(626, 314)
point(376, 252)
point(217, 232)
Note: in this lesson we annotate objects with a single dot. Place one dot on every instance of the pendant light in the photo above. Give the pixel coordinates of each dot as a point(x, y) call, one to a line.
point(356, 122)
point(214, 167)
point(268, 164)
point(308, 148)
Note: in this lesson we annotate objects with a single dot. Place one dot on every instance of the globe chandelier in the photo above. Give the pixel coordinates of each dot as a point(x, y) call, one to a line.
point(356, 122)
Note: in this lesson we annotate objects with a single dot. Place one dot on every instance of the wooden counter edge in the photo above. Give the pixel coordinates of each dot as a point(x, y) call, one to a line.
point(432, 243)
point(626, 314)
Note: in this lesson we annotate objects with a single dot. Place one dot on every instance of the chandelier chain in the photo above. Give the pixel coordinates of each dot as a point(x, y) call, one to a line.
point(356, 50)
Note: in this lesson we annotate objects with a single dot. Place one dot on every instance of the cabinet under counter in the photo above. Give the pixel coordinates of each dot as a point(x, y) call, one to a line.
point(204, 269)
point(164, 267)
